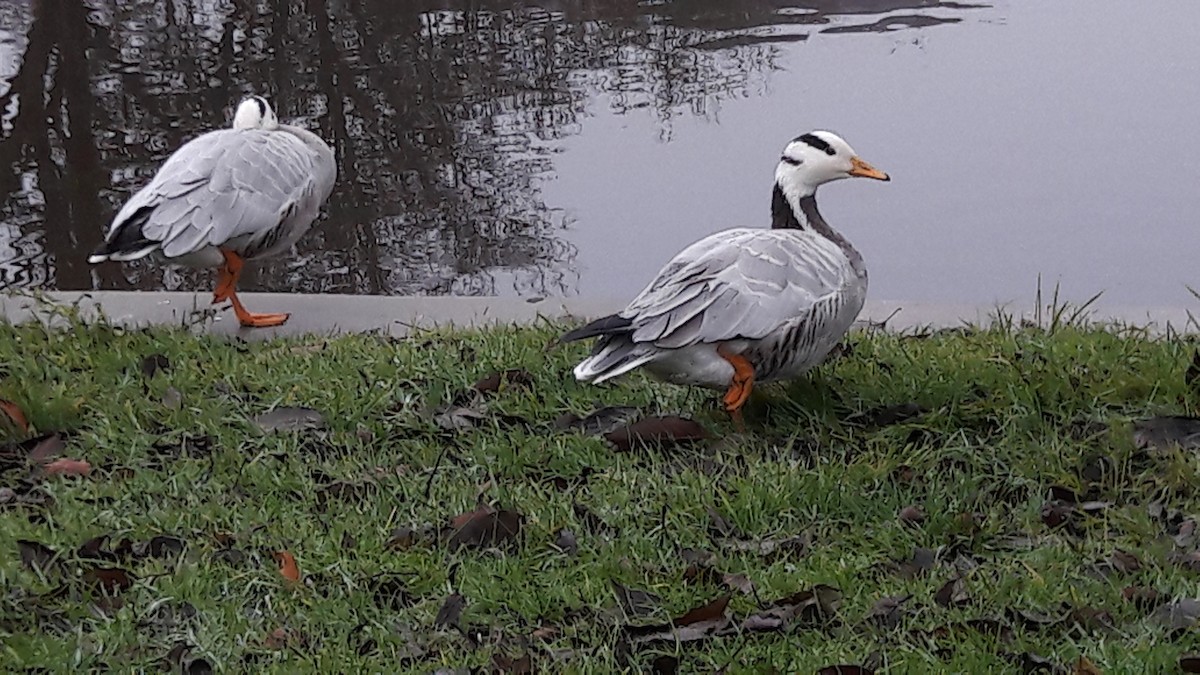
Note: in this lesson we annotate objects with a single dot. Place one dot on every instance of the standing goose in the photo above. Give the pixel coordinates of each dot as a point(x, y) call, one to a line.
point(746, 305)
point(227, 196)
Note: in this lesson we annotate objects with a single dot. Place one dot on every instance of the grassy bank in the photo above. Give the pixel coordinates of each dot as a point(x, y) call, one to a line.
point(960, 501)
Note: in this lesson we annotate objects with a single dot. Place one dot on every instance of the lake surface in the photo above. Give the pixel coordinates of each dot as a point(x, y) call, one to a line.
point(571, 148)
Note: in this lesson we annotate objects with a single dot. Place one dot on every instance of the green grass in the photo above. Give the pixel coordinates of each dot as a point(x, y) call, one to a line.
point(1010, 412)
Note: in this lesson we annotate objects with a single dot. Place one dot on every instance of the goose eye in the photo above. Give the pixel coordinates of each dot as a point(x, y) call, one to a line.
point(788, 160)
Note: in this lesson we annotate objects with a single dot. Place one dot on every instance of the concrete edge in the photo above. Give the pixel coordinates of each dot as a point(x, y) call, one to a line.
point(325, 315)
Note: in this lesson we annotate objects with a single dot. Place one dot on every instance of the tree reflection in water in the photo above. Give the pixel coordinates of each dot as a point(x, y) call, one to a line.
point(445, 116)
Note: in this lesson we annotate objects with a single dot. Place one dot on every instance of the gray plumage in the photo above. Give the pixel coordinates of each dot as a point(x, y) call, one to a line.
point(254, 189)
point(781, 298)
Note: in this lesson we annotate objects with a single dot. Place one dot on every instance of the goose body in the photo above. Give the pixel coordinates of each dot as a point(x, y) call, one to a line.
point(746, 305)
point(227, 196)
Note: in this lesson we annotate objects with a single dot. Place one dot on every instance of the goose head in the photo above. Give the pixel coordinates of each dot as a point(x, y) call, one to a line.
point(255, 113)
point(816, 158)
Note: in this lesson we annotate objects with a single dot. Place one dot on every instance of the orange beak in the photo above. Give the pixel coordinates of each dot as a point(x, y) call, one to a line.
point(864, 170)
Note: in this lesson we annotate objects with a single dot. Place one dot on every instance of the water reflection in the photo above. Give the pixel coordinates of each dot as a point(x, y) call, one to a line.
point(445, 117)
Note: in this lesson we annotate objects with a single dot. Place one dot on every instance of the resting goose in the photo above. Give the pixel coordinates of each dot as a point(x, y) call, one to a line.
point(746, 305)
point(225, 197)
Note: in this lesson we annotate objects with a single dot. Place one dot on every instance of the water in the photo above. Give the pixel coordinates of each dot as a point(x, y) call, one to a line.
point(571, 148)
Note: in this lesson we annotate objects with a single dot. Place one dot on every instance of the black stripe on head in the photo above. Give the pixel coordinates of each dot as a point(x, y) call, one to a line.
point(791, 160)
point(816, 142)
point(262, 106)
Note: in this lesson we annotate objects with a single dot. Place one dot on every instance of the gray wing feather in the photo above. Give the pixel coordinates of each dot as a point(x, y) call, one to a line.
point(223, 185)
point(744, 283)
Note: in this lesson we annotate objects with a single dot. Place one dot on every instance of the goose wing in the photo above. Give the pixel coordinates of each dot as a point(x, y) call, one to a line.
point(220, 186)
point(738, 284)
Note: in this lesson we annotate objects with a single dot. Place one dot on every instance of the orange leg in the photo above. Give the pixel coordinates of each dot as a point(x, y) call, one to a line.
point(739, 386)
point(227, 290)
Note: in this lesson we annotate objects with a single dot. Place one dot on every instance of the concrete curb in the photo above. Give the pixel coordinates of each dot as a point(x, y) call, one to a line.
point(397, 315)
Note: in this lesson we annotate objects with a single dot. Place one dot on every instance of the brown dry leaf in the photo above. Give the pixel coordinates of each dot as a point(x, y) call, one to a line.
point(67, 467)
point(738, 582)
point(1163, 433)
point(277, 639)
point(811, 607)
point(43, 448)
point(912, 515)
point(953, 593)
point(665, 665)
point(1083, 666)
point(887, 611)
point(923, 560)
point(1189, 663)
point(699, 623)
point(287, 419)
point(599, 422)
point(36, 555)
point(11, 413)
point(287, 566)
point(515, 377)
point(109, 580)
point(1144, 597)
point(155, 363)
point(664, 432)
point(462, 519)
point(451, 611)
point(522, 665)
point(486, 528)
point(635, 602)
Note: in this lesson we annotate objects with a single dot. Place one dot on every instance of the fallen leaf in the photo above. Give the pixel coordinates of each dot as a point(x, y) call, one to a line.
point(1144, 597)
point(67, 467)
point(565, 541)
point(160, 546)
point(811, 607)
point(912, 515)
point(1057, 512)
point(1091, 619)
point(738, 582)
point(599, 422)
point(1085, 667)
point(451, 611)
point(886, 612)
point(43, 448)
point(516, 378)
point(172, 399)
point(697, 624)
point(153, 364)
point(1163, 433)
point(1124, 562)
point(1179, 615)
point(1033, 620)
point(485, 528)
point(109, 580)
point(522, 665)
point(11, 413)
point(635, 602)
point(663, 432)
point(953, 593)
point(287, 566)
point(288, 418)
point(923, 560)
point(277, 639)
point(36, 555)
point(1189, 663)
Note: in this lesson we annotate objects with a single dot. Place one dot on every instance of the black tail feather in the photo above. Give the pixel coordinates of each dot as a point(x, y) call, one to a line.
point(608, 325)
point(128, 237)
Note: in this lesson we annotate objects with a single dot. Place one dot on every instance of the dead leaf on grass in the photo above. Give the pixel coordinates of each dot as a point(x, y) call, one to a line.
point(172, 399)
point(36, 555)
point(514, 378)
point(66, 467)
point(288, 418)
point(1144, 597)
point(738, 582)
point(288, 568)
point(564, 540)
point(812, 608)
point(1083, 666)
point(922, 560)
point(1189, 663)
point(109, 580)
point(522, 665)
point(664, 665)
point(663, 432)
point(485, 528)
point(1164, 433)
point(700, 623)
point(43, 448)
point(450, 613)
point(599, 422)
point(1179, 615)
point(887, 612)
point(635, 602)
point(911, 515)
point(953, 593)
point(11, 414)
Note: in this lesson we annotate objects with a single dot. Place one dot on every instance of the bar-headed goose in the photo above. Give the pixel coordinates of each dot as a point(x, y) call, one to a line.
point(746, 305)
point(227, 196)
